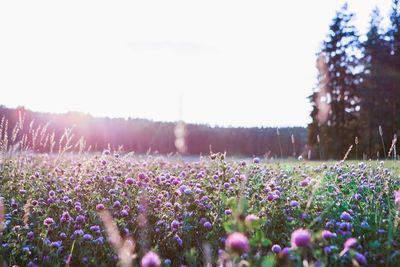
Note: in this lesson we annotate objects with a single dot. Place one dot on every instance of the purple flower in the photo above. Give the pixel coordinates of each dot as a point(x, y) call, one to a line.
point(142, 176)
point(270, 197)
point(95, 228)
point(178, 240)
point(78, 232)
point(207, 225)
point(345, 216)
point(129, 181)
point(99, 240)
point(62, 236)
point(326, 234)
point(250, 219)
point(344, 226)
point(117, 204)
point(276, 248)
point(304, 215)
point(329, 249)
point(188, 191)
point(202, 220)
point(286, 251)
point(304, 183)
point(151, 259)
point(329, 225)
point(294, 203)
point(30, 235)
point(237, 242)
point(80, 219)
point(100, 207)
point(301, 238)
point(228, 212)
point(48, 221)
point(175, 225)
point(360, 258)
point(87, 237)
point(256, 160)
point(52, 193)
point(364, 225)
point(56, 244)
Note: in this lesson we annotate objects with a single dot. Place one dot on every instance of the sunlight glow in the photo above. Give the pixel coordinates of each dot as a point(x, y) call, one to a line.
point(231, 62)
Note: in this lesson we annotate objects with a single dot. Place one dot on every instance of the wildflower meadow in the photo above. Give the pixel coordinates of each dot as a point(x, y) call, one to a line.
point(107, 209)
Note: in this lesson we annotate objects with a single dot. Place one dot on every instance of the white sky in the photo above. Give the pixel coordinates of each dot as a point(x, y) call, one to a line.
point(240, 63)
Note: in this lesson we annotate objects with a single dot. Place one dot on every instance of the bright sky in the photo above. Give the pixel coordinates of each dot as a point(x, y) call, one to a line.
point(240, 63)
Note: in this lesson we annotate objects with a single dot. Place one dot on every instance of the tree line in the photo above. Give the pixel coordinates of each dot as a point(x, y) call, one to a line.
point(46, 132)
point(356, 103)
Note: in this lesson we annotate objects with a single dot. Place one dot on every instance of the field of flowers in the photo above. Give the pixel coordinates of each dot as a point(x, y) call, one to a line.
point(108, 209)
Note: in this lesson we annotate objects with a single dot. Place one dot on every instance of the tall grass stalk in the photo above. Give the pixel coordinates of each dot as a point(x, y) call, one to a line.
point(356, 143)
point(293, 145)
point(383, 142)
point(319, 146)
point(279, 141)
point(393, 147)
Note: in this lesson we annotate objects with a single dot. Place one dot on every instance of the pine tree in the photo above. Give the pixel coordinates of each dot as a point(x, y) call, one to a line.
point(335, 101)
point(373, 91)
point(394, 89)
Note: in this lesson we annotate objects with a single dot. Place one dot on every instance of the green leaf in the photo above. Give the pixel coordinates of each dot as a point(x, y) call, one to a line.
point(268, 261)
point(266, 242)
point(229, 226)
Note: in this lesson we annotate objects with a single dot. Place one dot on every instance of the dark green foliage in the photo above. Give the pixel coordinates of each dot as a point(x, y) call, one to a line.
point(335, 98)
point(359, 83)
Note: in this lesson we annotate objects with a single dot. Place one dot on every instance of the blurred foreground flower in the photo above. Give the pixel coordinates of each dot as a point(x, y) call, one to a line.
point(397, 198)
point(237, 242)
point(151, 259)
point(301, 238)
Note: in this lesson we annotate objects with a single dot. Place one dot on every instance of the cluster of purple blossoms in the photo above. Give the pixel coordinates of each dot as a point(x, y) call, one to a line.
point(175, 225)
point(129, 181)
point(48, 221)
point(65, 217)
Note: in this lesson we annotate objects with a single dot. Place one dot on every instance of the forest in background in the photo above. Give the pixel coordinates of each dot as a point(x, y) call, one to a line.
point(141, 135)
